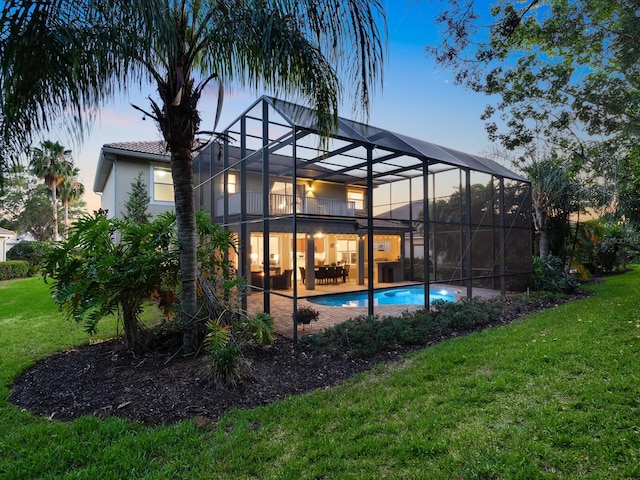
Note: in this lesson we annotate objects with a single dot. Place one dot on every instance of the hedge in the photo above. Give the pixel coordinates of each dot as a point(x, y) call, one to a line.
point(14, 269)
point(32, 252)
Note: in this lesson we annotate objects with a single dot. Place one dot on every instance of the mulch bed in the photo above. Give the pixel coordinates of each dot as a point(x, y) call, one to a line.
point(104, 379)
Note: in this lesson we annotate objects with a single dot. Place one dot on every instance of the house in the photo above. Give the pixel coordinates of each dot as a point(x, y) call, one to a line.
point(5, 236)
point(352, 212)
point(118, 167)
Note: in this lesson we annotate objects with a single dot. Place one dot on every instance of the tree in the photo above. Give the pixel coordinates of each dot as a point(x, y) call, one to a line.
point(69, 191)
point(18, 188)
point(629, 188)
point(92, 276)
point(563, 70)
point(35, 218)
point(565, 75)
point(550, 193)
point(63, 55)
point(52, 163)
point(138, 202)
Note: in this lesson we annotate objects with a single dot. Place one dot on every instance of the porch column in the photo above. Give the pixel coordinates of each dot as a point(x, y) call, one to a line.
point(310, 279)
point(361, 257)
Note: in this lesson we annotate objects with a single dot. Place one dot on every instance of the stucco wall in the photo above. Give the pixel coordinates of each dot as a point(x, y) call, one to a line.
point(118, 186)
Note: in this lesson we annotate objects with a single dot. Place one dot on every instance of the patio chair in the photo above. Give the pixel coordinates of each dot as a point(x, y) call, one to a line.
point(335, 273)
point(257, 279)
point(345, 272)
point(282, 281)
point(303, 274)
point(322, 275)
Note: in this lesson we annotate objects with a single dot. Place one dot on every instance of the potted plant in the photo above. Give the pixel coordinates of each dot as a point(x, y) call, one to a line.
point(306, 315)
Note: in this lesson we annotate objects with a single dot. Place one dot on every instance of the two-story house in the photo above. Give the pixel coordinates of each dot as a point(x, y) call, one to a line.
point(364, 209)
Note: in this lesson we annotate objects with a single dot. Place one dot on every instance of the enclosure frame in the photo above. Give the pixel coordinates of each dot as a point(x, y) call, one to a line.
point(280, 185)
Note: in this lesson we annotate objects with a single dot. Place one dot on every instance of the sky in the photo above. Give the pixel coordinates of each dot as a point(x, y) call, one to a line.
point(417, 99)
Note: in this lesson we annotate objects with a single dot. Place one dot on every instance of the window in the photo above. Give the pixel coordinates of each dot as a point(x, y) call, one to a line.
point(162, 185)
point(346, 251)
point(357, 197)
point(231, 183)
point(281, 188)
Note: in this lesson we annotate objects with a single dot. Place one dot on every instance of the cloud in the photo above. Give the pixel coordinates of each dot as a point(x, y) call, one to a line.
point(110, 117)
point(211, 92)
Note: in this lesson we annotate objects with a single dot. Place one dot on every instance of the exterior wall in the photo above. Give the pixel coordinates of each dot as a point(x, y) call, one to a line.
point(320, 198)
point(118, 186)
point(7, 240)
point(329, 190)
point(108, 198)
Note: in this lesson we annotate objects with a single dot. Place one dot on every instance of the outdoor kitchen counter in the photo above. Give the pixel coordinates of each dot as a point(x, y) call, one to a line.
point(389, 272)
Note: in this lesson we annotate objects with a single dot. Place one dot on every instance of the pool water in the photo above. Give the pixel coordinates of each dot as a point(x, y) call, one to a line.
point(391, 296)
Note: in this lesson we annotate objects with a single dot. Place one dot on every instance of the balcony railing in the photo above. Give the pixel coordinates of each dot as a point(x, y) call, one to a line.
point(280, 204)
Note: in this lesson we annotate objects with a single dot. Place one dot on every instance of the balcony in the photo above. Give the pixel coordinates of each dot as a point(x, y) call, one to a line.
point(283, 205)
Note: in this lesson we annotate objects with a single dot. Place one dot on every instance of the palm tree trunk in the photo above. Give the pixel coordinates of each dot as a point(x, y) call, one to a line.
point(181, 169)
point(54, 203)
point(65, 206)
point(544, 244)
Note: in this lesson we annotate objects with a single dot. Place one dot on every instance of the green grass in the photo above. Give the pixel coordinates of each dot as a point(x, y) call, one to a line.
point(554, 395)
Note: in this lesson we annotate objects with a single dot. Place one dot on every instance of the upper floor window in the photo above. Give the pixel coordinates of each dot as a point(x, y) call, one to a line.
point(162, 185)
point(282, 188)
point(357, 197)
point(231, 183)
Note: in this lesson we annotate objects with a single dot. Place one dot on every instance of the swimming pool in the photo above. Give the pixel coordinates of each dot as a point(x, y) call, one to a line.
point(389, 296)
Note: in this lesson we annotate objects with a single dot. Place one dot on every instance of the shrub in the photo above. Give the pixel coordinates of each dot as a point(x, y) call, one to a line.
point(14, 269)
point(306, 315)
point(225, 344)
point(465, 315)
point(32, 252)
point(226, 365)
point(358, 336)
point(91, 276)
point(258, 329)
point(365, 336)
point(549, 275)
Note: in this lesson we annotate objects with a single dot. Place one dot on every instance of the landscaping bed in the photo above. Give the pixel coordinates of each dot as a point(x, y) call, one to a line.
point(104, 379)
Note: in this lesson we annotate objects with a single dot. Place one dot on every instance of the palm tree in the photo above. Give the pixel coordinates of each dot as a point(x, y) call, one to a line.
point(69, 190)
point(61, 55)
point(553, 191)
point(52, 163)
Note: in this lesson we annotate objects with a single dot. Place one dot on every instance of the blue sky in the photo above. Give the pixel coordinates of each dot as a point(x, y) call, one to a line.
point(417, 99)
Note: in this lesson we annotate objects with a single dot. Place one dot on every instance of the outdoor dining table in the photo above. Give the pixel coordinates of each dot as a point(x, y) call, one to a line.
point(330, 273)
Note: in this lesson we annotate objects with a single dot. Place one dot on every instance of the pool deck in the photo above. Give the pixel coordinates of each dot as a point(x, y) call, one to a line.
point(282, 304)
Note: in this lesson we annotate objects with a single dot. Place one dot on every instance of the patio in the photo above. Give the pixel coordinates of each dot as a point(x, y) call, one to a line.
point(282, 305)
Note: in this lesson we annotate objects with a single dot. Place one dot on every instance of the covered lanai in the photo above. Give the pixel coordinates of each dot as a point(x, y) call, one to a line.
point(363, 210)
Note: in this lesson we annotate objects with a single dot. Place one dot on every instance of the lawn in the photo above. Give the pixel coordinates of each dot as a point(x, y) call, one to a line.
point(554, 395)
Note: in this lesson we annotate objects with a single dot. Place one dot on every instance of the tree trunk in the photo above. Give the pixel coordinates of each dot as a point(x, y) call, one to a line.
point(54, 203)
point(65, 205)
point(133, 332)
point(181, 169)
point(544, 244)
